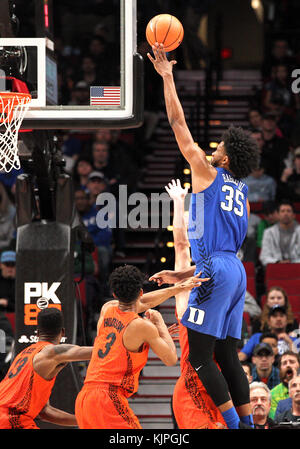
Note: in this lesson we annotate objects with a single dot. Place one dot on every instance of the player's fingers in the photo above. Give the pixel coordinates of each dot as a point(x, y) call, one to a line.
point(161, 53)
point(204, 279)
point(150, 57)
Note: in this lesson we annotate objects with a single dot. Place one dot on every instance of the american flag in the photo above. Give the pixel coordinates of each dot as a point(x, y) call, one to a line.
point(109, 95)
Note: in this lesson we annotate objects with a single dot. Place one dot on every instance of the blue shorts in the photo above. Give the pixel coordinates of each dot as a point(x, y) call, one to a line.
point(216, 307)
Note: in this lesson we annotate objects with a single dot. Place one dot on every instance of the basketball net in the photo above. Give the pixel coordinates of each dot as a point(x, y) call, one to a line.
point(13, 106)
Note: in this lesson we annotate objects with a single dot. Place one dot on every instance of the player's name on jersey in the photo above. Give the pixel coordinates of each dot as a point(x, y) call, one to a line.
point(228, 178)
point(113, 322)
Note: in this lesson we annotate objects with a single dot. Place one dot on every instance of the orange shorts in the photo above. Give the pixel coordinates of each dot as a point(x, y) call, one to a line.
point(193, 407)
point(104, 407)
point(8, 421)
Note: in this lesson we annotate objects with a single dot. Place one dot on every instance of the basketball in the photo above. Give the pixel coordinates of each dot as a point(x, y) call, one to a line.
point(165, 29)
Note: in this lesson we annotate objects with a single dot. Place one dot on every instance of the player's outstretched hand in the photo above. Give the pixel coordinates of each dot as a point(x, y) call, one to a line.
point(192, 282)
point(165, 277)
point(161, 63)
point(175, 190)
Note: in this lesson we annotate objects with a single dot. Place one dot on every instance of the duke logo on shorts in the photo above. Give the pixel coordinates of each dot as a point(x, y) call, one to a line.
point(218, 223)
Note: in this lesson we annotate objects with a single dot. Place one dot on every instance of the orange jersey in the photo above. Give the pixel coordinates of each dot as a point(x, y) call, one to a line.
point(193, 407)
point(23, 393)
point(111, 362)
point(112, 376)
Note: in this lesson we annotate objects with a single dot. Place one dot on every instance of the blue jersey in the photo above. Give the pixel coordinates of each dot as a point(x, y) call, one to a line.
point(218, 222)
point(218, 218)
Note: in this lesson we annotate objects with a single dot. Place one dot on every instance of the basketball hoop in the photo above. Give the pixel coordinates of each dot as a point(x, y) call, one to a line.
point(13, 106)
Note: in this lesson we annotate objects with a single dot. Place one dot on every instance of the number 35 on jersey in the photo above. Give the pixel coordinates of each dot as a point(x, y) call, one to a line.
point(233, 201)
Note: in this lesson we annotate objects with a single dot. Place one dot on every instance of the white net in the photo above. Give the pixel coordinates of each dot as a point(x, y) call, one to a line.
point(13, 107)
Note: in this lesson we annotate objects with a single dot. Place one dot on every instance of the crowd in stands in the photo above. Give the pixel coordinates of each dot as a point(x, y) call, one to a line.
point(102, 161)
point(269, 351)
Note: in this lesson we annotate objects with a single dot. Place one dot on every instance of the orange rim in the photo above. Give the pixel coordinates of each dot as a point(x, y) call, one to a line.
point(13, 98)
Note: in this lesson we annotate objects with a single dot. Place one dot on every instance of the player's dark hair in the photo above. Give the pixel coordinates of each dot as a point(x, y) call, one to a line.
point(50, 322)
point(126, 283)
point(242, 151)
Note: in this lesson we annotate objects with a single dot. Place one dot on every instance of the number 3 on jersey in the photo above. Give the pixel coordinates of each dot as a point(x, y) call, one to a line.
point(233, 195)
point(111, 338)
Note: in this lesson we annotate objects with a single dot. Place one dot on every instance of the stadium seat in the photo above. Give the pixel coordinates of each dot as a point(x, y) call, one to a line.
point(246, 316)
point(251, 281)
point(297, 207)
point(256, 207)
point(11, 316)
point(280, 271)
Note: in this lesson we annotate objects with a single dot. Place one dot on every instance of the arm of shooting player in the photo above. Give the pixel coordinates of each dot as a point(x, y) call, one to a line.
point(153, 299)
point(194, 155)
point(57, 416)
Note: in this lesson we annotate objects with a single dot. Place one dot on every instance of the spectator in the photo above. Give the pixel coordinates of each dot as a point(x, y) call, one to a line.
point(280, 243)
point(264, 369)
point(278, 91)
point(102, 161)
point(88, 72)
point(293, 414)
point(251, 306)
point(270, 217)
point(257, 135)
point(260, 400)
point(280, 54)
point(102, 237)
point(255, 120)
point(248, 252)
point(247, 367)
point(80, 95)
point(272, 340)
point(277, 322)
point(261, 187)
point(275, 296)
point(274, 150)
point(114, 160)
point(7, 301)
point(107, 61)
point(96, 184)
point(288, 366)
point(81, 171)
point(289, 186)
point(7, 219)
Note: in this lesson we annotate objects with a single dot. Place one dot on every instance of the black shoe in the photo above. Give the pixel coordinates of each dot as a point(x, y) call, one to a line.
point(245, 426)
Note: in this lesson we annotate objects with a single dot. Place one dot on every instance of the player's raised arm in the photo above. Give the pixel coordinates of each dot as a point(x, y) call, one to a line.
point(194, 155)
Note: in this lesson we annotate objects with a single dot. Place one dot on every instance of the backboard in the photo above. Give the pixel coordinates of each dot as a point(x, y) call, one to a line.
point(77, 59)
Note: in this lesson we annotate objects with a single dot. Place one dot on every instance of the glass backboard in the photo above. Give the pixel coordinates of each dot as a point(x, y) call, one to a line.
point(79, 62)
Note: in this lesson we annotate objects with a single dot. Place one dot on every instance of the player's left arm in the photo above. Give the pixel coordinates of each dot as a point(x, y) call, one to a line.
point(157, 297)
point(57, 416)
point(248, 208)
point(51, 359)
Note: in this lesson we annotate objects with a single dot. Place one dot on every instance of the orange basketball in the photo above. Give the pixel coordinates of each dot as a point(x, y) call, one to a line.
point(165, 29)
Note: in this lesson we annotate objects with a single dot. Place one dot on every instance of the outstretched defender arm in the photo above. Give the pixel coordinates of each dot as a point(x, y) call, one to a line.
point(194, 155)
